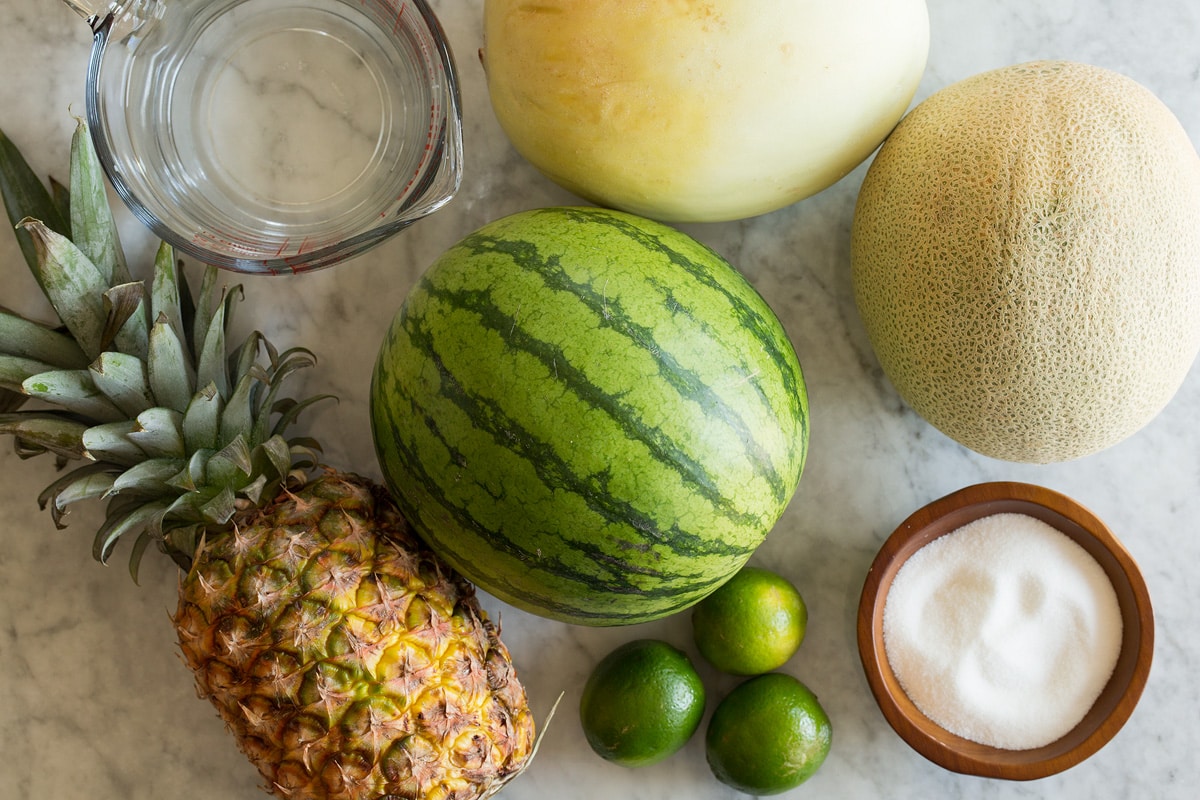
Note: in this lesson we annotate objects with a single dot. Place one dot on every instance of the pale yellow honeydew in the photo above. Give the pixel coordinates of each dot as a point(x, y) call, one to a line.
point(701, 111)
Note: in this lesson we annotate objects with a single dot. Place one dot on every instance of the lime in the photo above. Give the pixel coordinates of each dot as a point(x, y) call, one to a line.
point(752, 624)
point(768, 735)
point(642, 702)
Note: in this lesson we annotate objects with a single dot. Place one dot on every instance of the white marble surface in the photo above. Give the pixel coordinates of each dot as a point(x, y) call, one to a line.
point(95, 702)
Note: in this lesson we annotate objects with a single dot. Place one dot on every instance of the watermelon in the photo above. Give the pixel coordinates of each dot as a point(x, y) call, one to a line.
point(590, 415)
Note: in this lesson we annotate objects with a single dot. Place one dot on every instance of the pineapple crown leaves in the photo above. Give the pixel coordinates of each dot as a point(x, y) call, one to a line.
point(178, 432)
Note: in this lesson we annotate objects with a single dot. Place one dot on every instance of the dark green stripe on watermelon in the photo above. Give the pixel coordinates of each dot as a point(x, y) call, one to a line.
point(590, 415)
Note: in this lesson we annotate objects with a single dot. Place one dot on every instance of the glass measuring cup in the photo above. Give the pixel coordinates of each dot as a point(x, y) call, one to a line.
point(274, 136)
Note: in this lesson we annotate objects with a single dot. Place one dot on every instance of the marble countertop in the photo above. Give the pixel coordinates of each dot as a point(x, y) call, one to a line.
point(96, 703)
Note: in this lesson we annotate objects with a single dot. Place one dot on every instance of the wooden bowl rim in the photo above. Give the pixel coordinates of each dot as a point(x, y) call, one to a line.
point(1117, 700)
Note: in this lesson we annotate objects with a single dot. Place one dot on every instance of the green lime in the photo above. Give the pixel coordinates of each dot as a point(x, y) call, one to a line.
point(642, 702)
point(752, 624)
point(768, 735)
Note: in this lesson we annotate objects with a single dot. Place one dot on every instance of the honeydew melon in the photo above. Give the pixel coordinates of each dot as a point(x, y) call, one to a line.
point(701, 111)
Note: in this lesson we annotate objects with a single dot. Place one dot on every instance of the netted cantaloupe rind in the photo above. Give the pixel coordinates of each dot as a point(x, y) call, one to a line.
point(1026, 259)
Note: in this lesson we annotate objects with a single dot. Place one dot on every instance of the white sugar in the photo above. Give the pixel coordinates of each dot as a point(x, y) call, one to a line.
point(1004, 631)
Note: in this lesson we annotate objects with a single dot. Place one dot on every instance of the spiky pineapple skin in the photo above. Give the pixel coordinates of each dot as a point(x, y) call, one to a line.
point(347, 660)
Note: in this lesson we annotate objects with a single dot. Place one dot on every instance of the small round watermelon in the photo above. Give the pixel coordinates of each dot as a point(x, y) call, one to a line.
point(590, 415)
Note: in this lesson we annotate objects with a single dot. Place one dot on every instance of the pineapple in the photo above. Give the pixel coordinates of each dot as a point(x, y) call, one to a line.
point(346, 659)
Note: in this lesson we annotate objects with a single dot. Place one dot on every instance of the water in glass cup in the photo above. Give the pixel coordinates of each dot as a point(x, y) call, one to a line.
point(276, 135)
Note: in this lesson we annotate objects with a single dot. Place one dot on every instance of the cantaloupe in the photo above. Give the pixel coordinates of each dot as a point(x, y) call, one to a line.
point(1026, 259)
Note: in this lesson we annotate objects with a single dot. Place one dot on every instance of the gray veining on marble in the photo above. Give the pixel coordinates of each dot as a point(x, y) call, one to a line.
point(95, 702)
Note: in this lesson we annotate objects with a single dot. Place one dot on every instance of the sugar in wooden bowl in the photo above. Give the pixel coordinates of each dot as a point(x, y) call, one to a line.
point(1005, 631)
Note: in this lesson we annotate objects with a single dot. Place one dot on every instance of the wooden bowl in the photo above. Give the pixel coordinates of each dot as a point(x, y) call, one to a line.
point(1119, 696)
